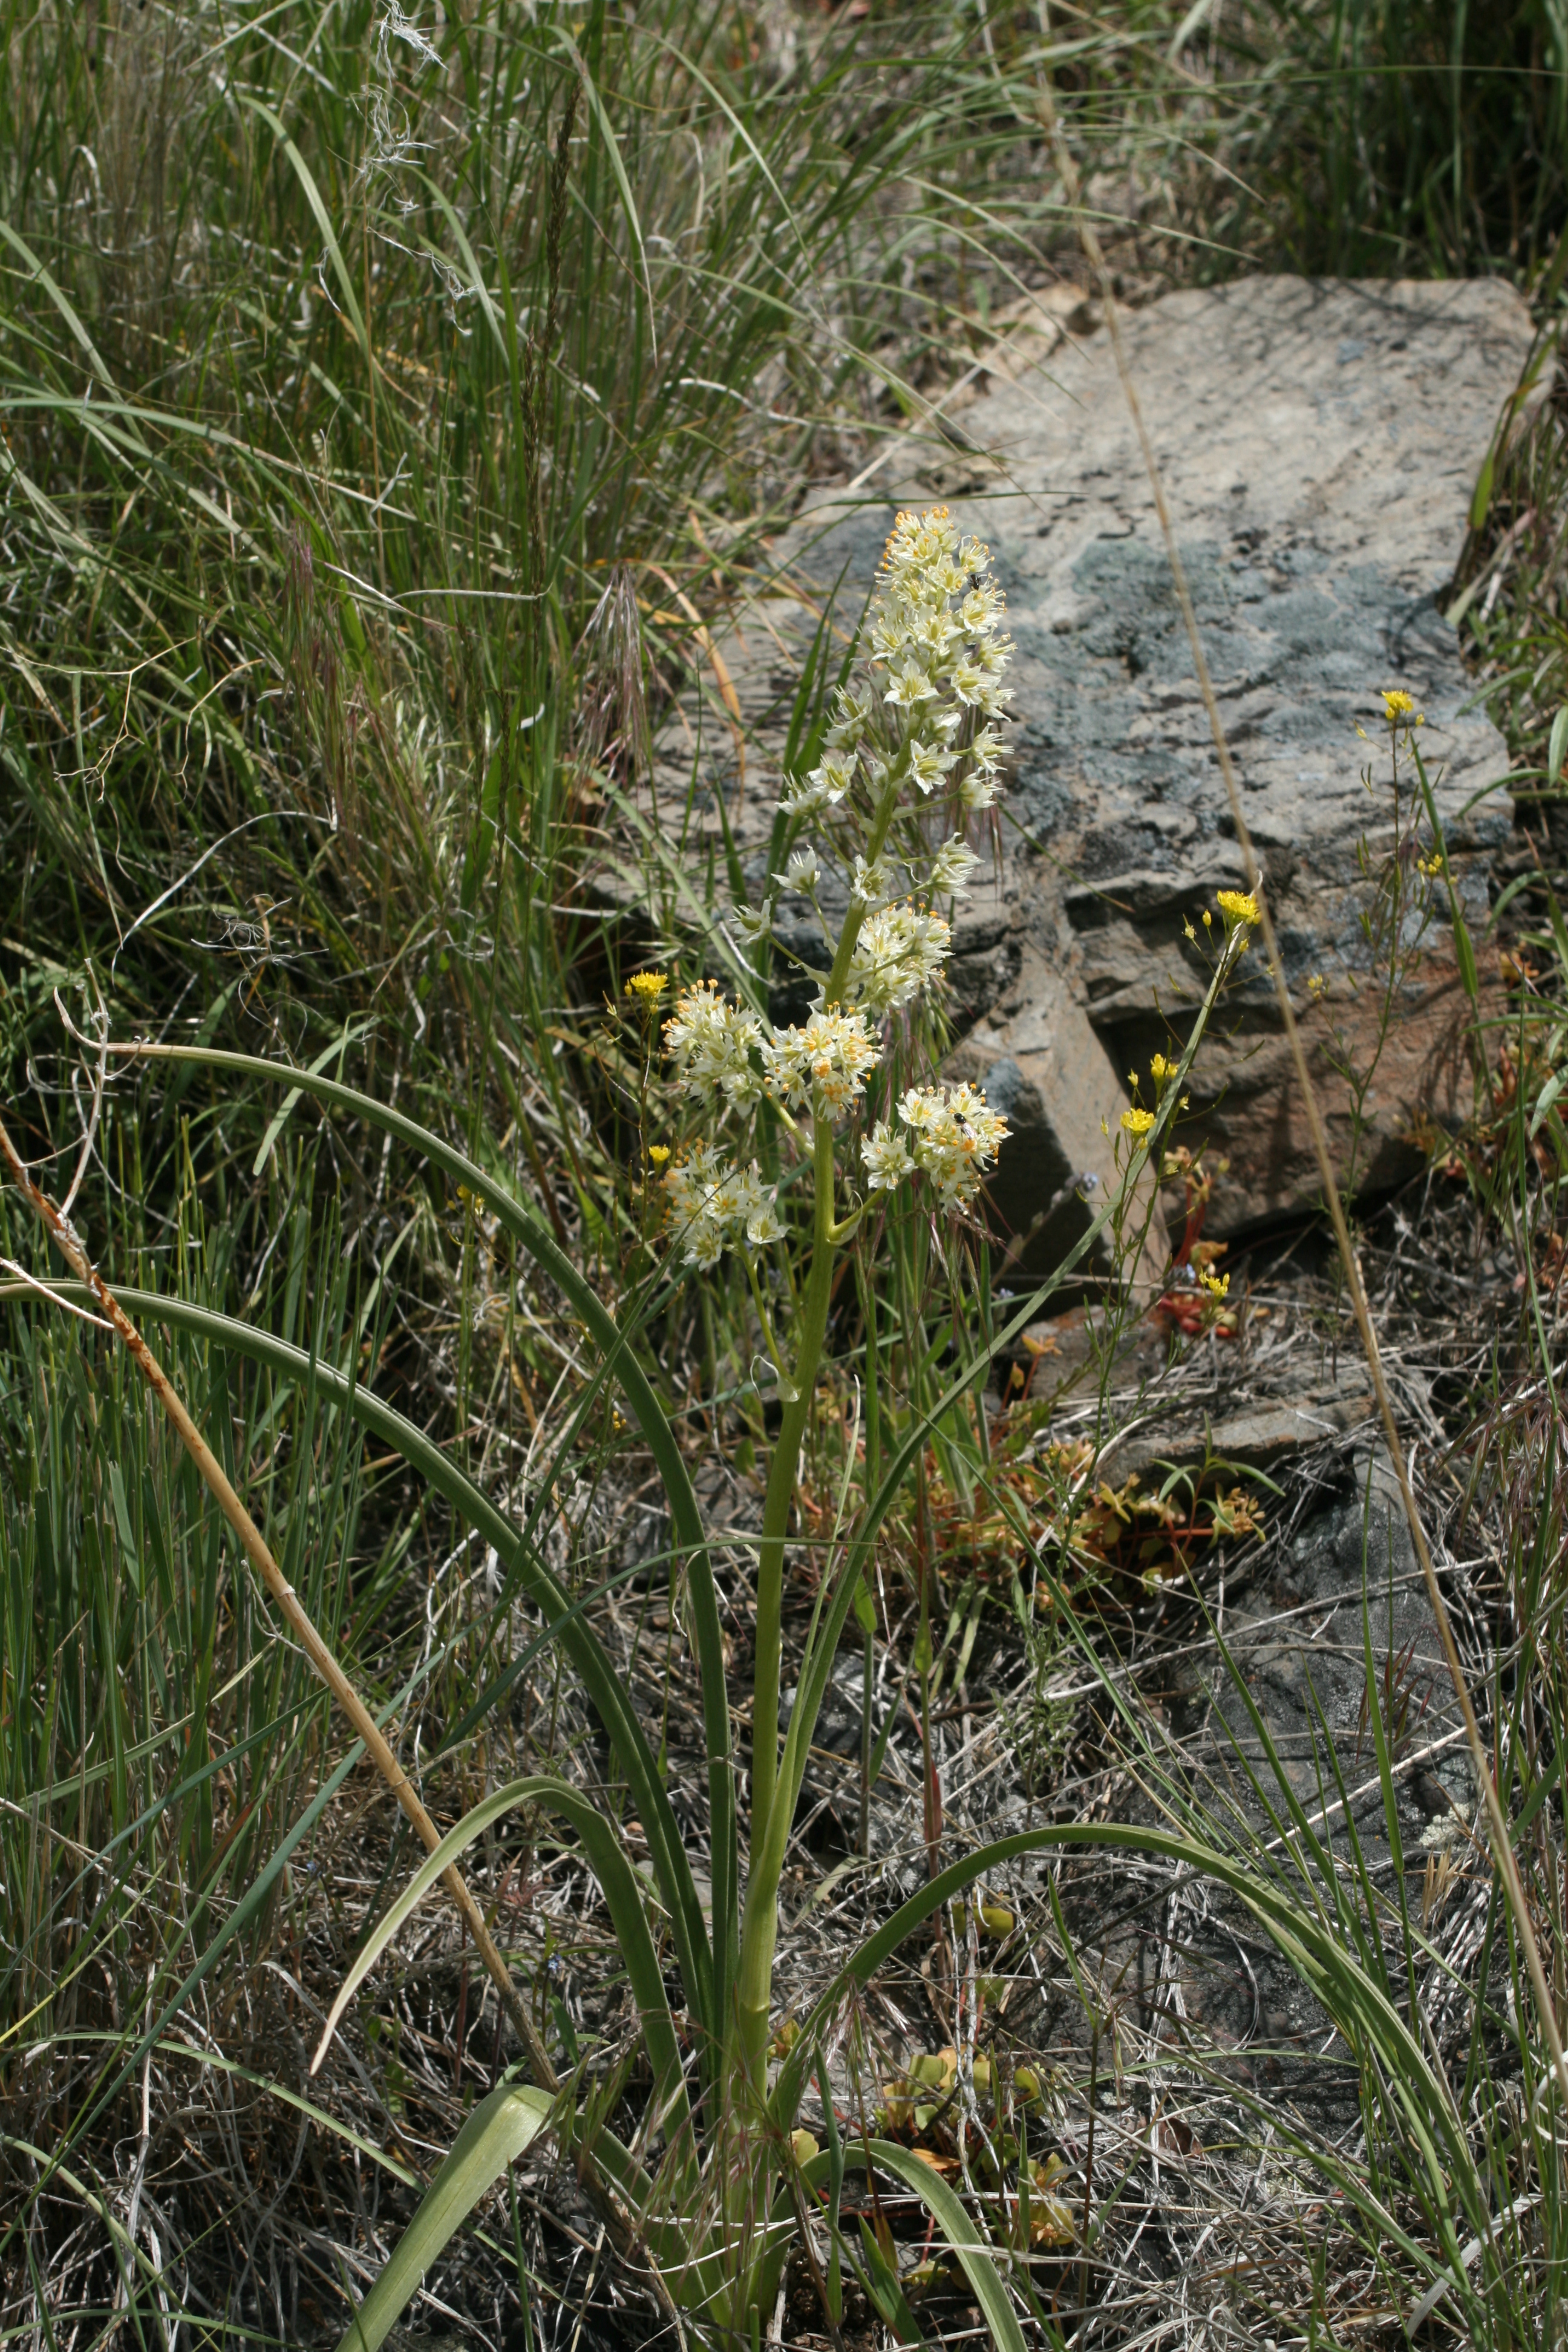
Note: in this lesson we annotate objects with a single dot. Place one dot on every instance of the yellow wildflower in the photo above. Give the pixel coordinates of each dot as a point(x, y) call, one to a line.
point(1430, 866)
point(1237, 907)
point(646, 988)
point(658, 1153)
point(1317, 987)
point(1396, 704)
point(1160, 1069)
point(1209, 920)
point(1216, 1284)
point(1138, 1123)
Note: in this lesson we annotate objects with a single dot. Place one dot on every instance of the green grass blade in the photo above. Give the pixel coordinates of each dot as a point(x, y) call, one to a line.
point(501, 2129)
point(947, 2210)
point(317, 203)
point(1306, 1942)
point(528, 1229)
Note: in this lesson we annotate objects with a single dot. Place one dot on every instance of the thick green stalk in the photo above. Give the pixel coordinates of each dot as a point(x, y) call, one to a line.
point(777, 1506)
point(787, 1448)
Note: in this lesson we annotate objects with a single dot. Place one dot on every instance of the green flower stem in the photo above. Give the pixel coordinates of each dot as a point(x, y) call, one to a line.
point(760, 1928)
point(887, 808)
point(777, 1503)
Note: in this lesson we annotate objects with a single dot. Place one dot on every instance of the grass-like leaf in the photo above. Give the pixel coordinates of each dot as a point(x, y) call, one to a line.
point(500, 2130)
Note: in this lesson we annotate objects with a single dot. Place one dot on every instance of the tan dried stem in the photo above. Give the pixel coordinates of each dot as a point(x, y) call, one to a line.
point(254, 1545)
point(1501, 1843)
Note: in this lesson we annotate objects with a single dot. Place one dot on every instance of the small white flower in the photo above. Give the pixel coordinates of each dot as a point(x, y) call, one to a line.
point(936, 634)
point(711, 1040)
point(899, 952)
point(910, 688)
point(889, 634)
point(969, 681)
point(929, 764)
point(802, 872)
point(978, 791)
point(752, 924)
point(822, 1063)
point(872, 882)
point(952, 867)
point(981, 609)
point(765, 1225)
point(711, 1202)
point(885, 1157)
point(957, 1137)
point(852, 716)
point(823, 788)
point(805, 795)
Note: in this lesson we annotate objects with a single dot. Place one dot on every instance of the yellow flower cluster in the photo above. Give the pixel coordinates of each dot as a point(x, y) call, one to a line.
point(1238, 907)
point(646, 988)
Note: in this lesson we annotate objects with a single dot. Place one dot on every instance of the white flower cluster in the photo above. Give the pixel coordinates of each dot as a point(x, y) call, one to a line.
point(955, 1137)
point(911, 754)
point(711, 1039)
point(822, 1066)
point(938, 623)
point(938, 653)
point(899, 952)
point(712, 1203)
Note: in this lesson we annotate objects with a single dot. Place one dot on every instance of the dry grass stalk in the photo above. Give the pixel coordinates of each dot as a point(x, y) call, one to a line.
point(255, 1546)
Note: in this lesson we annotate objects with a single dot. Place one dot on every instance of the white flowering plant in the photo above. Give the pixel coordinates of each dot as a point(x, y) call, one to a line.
point(717, 2180)
point(910, 757)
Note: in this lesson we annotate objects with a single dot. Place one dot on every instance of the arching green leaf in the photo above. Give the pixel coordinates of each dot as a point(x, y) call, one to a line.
point(708, 1993)
point(622, 1892)
point(604, 1684)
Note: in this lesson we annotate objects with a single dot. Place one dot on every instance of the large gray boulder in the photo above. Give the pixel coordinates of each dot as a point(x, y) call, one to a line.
point(1320, 445)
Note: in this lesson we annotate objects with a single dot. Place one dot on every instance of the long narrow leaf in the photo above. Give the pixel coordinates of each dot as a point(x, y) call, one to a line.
point(500, 2130)
point(709, 1992)
point(604, 1684)
point(1306, 1942)
point(622, 1893)
point(956, 2227)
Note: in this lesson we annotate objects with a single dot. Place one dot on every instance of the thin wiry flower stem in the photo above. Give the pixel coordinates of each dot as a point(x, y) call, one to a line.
point(1501, 1843)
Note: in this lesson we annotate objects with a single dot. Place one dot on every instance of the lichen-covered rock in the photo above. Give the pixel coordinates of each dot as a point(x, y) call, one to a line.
point(1320, 445)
